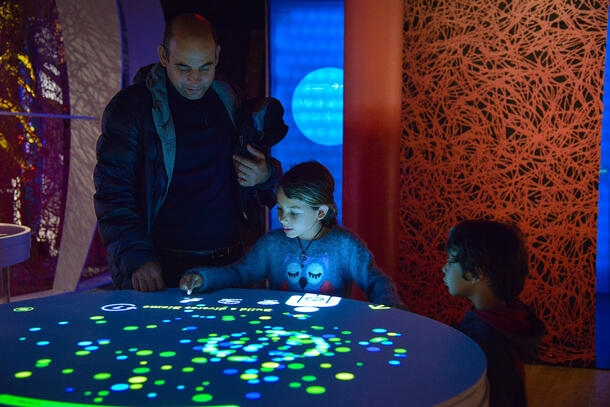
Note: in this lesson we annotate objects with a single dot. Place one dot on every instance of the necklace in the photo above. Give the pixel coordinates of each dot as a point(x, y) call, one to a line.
point(303, 256)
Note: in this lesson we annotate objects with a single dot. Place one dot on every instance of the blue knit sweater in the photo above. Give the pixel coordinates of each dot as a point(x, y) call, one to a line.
point(331, 264)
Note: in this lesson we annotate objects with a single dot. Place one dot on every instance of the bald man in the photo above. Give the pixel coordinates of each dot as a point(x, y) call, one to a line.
point(172, 189)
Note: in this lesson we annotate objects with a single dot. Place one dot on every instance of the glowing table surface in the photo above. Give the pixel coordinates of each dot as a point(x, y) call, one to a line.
point(232, 347)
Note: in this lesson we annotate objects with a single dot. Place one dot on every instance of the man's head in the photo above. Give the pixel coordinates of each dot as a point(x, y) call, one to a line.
point(190, 54)
point(489, 251)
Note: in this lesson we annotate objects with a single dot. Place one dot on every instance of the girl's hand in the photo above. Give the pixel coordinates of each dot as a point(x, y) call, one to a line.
point(189, 282)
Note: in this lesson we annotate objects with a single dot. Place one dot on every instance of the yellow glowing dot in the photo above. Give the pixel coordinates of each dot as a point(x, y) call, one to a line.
point(166, 367)
point(96, 317)
point(344, 376)
point(270, 365)
point(23, 375)
point(325, 365)
point(137, 379)
point(136, 386)
point(248, 376)
point(151, 326)
point(143, 362)
point(264, 317)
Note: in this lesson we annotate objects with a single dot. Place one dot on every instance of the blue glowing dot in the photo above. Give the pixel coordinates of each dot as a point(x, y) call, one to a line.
point(253, 381)
point(178, 318)
point(189, 328)
point(70, 389)
point(62, 323)
point(230, 371)
point(363, 343)
point(251, 371)
point(329, 336)
point(201, 305)
point(23, 338)
point(151, 395)
point(92, 347)
point(253, 395)
point(103, 341)
point(35, 329)
point(215, 360)
point(42, 343)
point(180, 387)
point(271, 379)
point(373, 349)
point(211, 316)
point(400, 355)
point(166, 321)
point(121, 357)
point(387, 343)
point(84, 343)
point(119, 387)
point(394, 362)
point(188, 310)
point(184, 341)
point(379, 330)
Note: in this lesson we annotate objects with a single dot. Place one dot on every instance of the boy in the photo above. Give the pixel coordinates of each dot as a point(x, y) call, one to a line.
point(488, 263)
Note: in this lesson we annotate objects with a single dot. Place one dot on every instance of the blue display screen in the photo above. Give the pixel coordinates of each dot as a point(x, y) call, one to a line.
point(306, 75)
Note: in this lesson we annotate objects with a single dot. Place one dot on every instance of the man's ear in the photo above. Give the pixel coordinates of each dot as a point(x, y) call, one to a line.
point(162, 55)
point(217, 54)
point(322, 211)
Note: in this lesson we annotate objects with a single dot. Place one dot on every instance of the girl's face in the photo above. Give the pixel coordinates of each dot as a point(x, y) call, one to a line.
point(453, 276)
point(297, 218)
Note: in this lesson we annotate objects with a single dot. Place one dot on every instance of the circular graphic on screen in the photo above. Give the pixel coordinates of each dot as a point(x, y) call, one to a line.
point(317, 106)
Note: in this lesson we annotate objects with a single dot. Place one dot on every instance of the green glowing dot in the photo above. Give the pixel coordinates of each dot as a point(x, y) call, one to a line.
point(103, 341)
point(130, 328)
point(159, 382)
point(228, 318)
point(103, 393)
point(23, 375)
point(82, 352)
point(141, 370)
point(400, 350)
point(294, 385)
point(144, 352)
point(213, 335)
point(151, 326)
point(188, 369)
point(270, 365)
point(143, 362)
point(296, 366)
point(100, 322)
point(98, 399)
point(334, 339)
point(101, 376)
point(199, 388)
point(87, 393)
point(67, 371)
point(22, 309)
point(266, 369)
point(199, 360)
point(308, 378)
point(96, 317)
point(136, 386)
point(315, 390)
point(167, 354)
point(248, 376)
point(23, 338)
point(202, 398)
point(325, 365)
point(118, 352)
point(359, 364)
point(342, 349)
point(255, 322)
point(344, 376)
point(43, 361)
point(379, 339)
point(137, 379)
point(346, 332)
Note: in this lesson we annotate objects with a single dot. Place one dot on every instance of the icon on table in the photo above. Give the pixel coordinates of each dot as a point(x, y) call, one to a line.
point(118, 307)
point(313, 300)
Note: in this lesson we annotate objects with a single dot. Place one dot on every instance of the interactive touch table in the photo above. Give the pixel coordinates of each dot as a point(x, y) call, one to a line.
point(231, 347)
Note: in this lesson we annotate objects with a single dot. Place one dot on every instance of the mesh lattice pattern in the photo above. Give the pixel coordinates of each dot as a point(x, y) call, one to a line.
point(502, 119)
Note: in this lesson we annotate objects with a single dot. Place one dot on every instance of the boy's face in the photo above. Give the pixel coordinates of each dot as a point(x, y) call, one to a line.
point(453, 276)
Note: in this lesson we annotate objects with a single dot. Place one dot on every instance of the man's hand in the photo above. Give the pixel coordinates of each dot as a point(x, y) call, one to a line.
point(148, 277)
point(251, 172)
point(189, 282)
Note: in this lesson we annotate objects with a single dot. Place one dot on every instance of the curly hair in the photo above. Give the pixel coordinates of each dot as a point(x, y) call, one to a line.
point(495, 249)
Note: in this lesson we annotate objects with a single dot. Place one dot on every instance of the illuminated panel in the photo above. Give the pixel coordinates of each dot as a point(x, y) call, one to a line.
point(306, 75)
point(227, 348)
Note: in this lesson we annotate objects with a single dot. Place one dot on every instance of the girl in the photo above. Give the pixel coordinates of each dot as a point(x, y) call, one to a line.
point(311, 253)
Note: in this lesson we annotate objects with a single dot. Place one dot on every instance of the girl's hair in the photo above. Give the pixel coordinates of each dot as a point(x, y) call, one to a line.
point(312, 183)
point(497, 249)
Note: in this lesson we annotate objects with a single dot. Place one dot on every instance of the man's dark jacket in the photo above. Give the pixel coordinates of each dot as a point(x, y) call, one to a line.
point(135, 160)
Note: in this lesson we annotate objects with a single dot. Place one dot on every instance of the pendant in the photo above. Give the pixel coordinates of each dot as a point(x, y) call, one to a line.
point(303, 259)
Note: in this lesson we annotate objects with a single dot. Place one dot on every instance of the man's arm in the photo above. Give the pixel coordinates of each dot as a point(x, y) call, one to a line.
point(123, 229)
